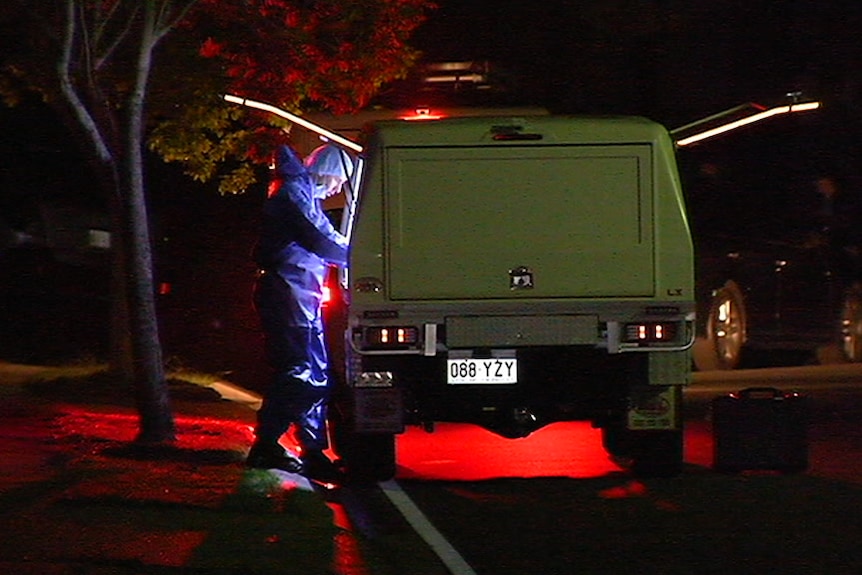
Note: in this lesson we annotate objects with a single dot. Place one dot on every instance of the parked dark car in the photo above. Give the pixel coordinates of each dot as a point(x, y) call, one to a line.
point(775, 215)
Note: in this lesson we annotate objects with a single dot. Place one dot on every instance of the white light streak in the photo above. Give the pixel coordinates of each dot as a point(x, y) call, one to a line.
point(295, 119)
point(804, 107)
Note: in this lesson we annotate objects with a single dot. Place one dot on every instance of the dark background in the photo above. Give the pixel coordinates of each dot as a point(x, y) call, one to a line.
point(671, 60)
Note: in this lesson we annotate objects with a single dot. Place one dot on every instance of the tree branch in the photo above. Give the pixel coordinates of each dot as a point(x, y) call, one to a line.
point(165, 22)
point(67, 88)
point(121, 35)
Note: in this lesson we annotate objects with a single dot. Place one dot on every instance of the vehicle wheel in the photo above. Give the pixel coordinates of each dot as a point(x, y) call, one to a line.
point(645, 453)
point(726, 331)
point(658, 453)
point(851, 324)
point(366, 457)
point(614, 440)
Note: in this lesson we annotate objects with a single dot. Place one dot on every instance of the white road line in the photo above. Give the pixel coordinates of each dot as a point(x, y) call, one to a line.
point(420, 523)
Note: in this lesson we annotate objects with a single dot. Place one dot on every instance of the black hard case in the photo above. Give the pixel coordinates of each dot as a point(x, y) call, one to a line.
point(760, 429)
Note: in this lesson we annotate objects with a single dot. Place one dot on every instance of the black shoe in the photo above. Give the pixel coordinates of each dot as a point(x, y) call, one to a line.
point(318, 467)
point(272, 456)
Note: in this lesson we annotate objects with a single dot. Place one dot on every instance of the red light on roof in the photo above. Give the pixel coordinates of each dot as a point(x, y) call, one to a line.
point(421, 114)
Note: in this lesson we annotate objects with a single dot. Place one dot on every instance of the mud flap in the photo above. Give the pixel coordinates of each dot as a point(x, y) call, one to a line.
point(654, 408)
point(363, 431)
point(654, 426)
point(377, 410)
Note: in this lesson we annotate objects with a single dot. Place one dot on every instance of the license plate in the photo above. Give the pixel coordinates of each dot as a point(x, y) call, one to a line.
point(492, 370)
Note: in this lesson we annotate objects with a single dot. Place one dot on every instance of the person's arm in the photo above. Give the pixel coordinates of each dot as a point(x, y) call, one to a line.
point(317, 235)
point(305, 223)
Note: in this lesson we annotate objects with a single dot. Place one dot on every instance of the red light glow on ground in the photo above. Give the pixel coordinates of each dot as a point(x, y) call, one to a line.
point(192, 432)
point(471, 453)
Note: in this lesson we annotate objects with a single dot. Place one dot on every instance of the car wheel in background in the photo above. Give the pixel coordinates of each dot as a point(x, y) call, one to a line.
point(720, 348)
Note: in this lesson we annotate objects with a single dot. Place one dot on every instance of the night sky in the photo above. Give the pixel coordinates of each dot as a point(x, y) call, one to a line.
point(672, 60)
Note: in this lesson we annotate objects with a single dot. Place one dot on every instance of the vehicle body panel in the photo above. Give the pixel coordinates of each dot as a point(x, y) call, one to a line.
point(431, 260)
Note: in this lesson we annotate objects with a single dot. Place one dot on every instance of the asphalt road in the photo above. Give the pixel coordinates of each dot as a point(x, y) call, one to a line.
point(553, 503)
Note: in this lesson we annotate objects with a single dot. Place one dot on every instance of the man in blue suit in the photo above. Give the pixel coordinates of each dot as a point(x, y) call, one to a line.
point(296, 245)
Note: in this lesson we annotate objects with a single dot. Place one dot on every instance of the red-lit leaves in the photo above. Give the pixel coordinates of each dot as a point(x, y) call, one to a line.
point(295, 54)
point(336, 53)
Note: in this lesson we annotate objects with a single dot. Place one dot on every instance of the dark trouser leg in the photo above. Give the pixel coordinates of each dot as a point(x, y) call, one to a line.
point(296, 351)
point(288, 401)
point(312, 425)
point(311, 428)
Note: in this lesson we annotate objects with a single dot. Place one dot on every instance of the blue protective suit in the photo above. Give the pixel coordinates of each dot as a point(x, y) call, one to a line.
point(296, 244)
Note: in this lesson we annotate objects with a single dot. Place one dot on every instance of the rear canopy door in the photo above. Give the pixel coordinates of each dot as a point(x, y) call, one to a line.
point(576, 219)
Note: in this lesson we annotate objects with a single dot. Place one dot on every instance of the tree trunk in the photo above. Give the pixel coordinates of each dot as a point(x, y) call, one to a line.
point(117, 146)
point(121, 364)
point(151, 390)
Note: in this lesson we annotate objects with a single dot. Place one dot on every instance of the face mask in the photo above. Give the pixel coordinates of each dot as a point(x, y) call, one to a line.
point(319, 190)
point(325, 186)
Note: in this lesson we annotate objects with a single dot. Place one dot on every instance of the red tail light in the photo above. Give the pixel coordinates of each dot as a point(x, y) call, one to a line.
point(391, 337)
point(650, 332)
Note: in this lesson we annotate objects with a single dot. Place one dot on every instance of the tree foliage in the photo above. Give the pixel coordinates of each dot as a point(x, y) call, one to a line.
point(299, 55)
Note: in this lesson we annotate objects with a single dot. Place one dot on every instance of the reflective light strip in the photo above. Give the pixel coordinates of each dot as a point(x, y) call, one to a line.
point(430, 349)
point(295, 119)
point(748, 120)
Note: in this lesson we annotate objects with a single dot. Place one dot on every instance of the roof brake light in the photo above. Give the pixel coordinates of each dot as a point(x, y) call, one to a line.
point(421, 114)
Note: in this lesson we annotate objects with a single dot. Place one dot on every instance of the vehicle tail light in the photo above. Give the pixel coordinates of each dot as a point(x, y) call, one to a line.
point(391, 337)
point(330, 293)
point(650, 332)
